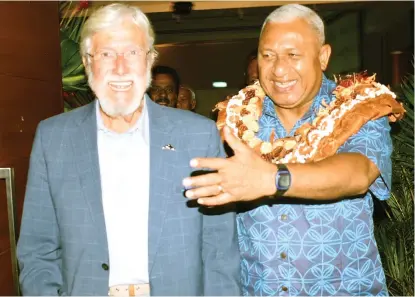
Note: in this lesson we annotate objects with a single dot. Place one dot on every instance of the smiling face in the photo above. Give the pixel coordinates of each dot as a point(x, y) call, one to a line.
point(291, 62)
point(163, 90)
point(119, 83)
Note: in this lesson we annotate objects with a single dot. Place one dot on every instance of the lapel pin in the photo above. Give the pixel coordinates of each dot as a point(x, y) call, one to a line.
point(168, 147)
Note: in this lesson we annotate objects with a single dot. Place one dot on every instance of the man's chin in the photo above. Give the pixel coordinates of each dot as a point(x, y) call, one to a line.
point(115, 111)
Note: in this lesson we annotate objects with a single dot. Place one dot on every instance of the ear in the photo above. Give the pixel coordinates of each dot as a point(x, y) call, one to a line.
point(193, 104)
point(150, 60)
point(324, 56)
point(85, 62)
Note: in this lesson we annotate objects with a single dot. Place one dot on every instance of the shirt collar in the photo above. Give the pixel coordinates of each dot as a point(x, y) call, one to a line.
point(141, 126)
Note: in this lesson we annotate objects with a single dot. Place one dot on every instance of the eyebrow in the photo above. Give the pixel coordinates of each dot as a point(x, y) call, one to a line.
point(285, 49)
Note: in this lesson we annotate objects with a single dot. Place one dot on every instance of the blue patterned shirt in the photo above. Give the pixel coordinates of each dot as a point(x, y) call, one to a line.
point(301, 247)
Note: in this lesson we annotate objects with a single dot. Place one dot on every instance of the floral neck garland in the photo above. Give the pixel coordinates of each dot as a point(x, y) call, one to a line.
point(358, 99)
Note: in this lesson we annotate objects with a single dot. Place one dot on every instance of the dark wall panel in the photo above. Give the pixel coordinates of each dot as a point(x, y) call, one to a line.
point(30, 80)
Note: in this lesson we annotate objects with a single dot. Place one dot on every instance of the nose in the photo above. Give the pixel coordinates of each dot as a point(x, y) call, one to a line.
point(280, 67)
point(163, 93)
point(120, 65)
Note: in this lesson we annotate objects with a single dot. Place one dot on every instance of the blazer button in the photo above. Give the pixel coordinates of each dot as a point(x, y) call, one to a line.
point(105, 266)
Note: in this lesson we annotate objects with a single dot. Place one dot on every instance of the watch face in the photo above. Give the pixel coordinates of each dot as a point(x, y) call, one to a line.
point(284, 181)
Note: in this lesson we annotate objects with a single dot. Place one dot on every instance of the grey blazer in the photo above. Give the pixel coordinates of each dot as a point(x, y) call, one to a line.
point(62, 248)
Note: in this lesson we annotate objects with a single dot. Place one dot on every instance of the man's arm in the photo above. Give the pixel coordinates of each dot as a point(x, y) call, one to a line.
point(363, 162)
point(246, 176)
point(342, 175)
point(374, 141)
point(38, 248)
point(220, 251)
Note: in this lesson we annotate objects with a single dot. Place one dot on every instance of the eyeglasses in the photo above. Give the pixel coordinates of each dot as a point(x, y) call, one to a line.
point(111, 55)
point(159, 90)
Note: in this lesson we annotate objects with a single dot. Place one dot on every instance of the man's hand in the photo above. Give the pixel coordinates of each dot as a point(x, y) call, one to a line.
point(243, 177)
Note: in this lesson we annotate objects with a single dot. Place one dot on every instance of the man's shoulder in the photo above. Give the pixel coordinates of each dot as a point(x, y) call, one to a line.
point(67, 119)
point(188, 119)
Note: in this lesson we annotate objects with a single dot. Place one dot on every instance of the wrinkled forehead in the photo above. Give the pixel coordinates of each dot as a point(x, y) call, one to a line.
point(296, 32)
point(185, 92)
point(163, 79)
point(124, 34)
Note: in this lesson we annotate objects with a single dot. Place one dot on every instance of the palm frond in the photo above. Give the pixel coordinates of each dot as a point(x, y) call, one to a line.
point(74, 79)
point(395, 234)
point(404, 137)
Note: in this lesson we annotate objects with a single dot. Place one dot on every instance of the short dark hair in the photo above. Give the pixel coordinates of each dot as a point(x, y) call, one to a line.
point(162, 69)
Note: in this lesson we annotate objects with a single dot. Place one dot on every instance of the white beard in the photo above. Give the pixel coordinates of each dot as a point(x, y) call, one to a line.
point(116, 110)
point(113, 109)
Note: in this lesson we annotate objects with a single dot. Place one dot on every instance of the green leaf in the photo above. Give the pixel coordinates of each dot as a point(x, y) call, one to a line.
point(76, 88)
point(71, 58)
point(74, 79)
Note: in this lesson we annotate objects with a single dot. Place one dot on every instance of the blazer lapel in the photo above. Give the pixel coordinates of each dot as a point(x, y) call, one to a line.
point(85, 146)
point(160, 136)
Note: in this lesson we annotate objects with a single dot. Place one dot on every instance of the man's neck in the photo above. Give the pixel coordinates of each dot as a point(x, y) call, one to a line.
point(121, 124)
point(290, 116)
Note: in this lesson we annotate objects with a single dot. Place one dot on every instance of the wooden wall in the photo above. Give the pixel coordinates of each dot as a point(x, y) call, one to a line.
point(30, 86)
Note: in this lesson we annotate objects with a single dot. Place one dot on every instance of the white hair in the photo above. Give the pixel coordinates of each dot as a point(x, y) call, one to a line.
point(107, 17)
point(290, 12)
point(190, 90)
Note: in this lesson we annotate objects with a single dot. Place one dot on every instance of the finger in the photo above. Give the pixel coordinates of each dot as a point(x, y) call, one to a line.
point(207, 191)
point(204, 180)
point(211, 163)
point(235, 143)
point(220, 199)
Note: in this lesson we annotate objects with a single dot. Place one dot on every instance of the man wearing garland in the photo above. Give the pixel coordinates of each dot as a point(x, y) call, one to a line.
point(310, 231)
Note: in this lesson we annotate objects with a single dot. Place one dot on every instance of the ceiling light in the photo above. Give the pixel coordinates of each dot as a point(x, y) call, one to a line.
point(219, 84)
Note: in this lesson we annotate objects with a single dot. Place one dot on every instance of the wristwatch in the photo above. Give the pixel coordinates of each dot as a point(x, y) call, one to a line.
point(282, 179)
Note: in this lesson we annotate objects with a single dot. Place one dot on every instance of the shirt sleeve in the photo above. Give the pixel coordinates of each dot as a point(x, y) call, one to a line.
point(373, 140)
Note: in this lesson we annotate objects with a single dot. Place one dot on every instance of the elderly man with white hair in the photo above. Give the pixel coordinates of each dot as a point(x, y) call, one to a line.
point(308, 228)
point(104, 212)
point(186, 99)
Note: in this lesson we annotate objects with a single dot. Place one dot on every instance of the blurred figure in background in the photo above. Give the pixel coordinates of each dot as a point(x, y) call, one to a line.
point(251, 69)
point(164, 88)
point(186, 99)
point(250, 74)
